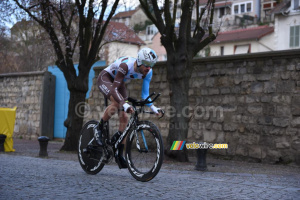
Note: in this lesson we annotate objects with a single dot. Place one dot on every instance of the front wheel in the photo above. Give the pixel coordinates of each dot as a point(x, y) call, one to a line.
point(89, 154)
point(144, 151)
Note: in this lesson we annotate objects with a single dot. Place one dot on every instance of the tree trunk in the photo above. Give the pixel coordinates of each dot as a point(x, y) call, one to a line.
point(74, 121)
point(179, 99)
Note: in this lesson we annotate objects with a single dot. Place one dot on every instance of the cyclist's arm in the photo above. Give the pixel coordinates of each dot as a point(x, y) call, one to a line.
point(123, 69)
point(146, 86)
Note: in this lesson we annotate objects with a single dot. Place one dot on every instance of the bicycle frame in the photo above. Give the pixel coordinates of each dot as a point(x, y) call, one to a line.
point(132, 123)
point(125, 132)
point(138, 148)
point(134, 119)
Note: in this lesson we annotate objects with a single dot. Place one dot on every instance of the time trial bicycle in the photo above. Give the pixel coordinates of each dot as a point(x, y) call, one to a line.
point(144, 145)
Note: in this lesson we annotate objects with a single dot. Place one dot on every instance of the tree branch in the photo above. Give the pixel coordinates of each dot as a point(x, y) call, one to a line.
point(88, 35)
point(99, 25)
point(29, 13)
point(80, 8)
point(170, 23)
point(146, 9)
point(160, 23)
point(74, 45)
point(168, 20)
point(211, 17)
point(198, 18)
point(185, 21)
point(102, 32)
point(175, 12)
point(204, 43)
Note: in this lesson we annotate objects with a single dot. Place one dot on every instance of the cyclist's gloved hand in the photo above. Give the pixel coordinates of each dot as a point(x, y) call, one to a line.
point(127, 108)
point(155, 109)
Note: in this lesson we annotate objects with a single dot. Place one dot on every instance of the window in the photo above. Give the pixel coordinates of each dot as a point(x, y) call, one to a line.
point(242, 7)
point(242, 49)
point(115, 34)
point(249, 7)
point(221, 12)
point(222, 51)
point(149, 30)
point(294, 36)
point(201, 9)
point(236, 9)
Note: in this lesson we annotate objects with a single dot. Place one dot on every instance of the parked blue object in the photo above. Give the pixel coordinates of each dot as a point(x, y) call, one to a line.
point(62, 96)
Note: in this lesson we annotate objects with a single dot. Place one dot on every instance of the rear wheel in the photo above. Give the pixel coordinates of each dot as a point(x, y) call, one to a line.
point(144, 151)
point(89, 153)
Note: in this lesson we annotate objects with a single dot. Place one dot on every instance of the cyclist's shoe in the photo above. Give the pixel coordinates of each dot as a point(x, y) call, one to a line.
point(120, 159)
point(98, 135)
point(123, 162)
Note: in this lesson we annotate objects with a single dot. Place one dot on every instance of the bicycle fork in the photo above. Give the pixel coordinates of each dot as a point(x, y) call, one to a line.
point(145, 150)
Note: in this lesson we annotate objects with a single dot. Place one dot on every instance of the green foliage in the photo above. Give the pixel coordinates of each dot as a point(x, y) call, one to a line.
point(141, 27)
point(263, 23)
point(207, 52)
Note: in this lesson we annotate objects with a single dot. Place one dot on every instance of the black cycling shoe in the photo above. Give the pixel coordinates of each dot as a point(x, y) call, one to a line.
point(120, 159)
point(123, 162)
point(98, 135)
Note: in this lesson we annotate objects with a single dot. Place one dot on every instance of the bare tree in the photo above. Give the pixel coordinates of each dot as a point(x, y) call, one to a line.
point(83, 23)
point(31, 46)
point(7, 64)
point(182, 42)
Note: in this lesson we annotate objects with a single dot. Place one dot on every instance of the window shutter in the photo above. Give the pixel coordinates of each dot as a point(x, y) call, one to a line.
point(292, 36)
point(297, 36)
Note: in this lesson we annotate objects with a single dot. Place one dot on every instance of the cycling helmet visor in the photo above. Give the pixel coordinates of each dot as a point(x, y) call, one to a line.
point(148, 63)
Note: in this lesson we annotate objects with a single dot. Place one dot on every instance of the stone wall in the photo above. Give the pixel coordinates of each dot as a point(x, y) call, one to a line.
point(251, 102)
point(259, 96)
point(24, 90)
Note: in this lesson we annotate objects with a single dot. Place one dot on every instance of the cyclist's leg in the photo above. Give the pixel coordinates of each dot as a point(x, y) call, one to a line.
point(109, 112)
point(104, 82)
point(123, 118)
point(114, 107)
point(111, 109)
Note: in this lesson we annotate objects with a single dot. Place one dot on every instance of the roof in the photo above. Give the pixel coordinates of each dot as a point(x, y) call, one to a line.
point(282, 7)
point(125, 14)
point(217, 2)
point(223, 4)
point(244, 34)
point(121, 33)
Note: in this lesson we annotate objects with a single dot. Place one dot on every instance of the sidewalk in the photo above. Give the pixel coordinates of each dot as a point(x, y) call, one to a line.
point(31, 148)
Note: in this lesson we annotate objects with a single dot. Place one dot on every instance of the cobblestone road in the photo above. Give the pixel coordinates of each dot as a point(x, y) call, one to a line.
point(23, 177)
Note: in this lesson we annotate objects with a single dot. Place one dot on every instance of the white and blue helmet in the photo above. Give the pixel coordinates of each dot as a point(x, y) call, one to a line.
point(147, 57)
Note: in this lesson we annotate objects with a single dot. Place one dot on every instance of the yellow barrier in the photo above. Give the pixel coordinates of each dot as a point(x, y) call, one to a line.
point(7, 124)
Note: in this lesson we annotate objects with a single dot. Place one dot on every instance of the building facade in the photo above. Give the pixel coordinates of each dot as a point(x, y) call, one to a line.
point(119, 41)
point(130, 18)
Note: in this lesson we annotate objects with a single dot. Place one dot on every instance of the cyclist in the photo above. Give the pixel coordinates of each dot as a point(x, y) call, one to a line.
point(111, 84)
